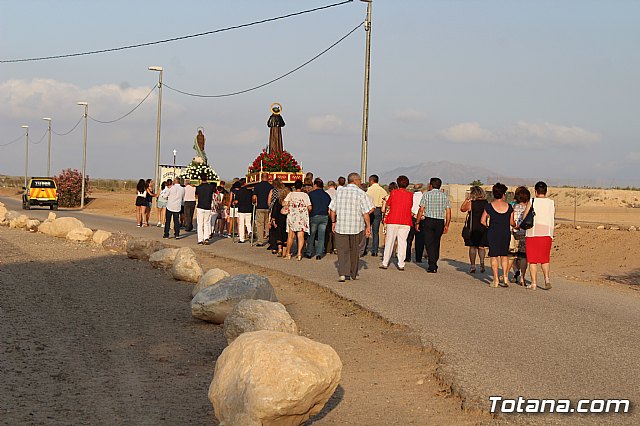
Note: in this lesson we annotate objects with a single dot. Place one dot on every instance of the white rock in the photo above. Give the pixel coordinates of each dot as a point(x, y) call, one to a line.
point(254, 315)
point(186, 266)
point(632, 228)
point(20, 222)
point(210, 278)
point(80, 235)
point(214, 303)
point(601, 227)
point(615, 228)
point(51, 217)
point(272, 378)
point(45, 227)
point(3, 213)
point(578, 227)
point(558, 226)
point(32, 225)
point(163, 258)
point(100, 236)
point(62, 226)
point(142, 249)
point(12, 214)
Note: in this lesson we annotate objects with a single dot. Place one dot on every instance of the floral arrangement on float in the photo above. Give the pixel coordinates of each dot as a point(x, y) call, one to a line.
point(275, 162)
point(195, 169)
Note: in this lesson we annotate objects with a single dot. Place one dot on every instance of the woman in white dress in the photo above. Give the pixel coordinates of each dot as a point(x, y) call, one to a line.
point(298, 205)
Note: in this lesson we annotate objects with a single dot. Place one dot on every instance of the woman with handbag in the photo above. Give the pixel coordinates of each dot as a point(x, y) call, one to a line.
point(540, 236)
point(474, 232)
point(518, 251)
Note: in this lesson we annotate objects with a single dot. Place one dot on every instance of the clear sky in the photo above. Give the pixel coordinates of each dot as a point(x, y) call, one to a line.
point(542, 89)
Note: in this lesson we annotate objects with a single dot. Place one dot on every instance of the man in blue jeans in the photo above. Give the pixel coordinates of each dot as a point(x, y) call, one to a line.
point(318, 218)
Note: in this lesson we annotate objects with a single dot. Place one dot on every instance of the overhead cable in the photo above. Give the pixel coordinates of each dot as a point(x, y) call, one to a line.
point(127, 114)
point(13, 141)
point(72, 129)
point(168, 40)
point(41, 139)
point(270, 81)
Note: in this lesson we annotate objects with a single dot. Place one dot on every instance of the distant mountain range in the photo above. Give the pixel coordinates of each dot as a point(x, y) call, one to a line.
point(449, 173)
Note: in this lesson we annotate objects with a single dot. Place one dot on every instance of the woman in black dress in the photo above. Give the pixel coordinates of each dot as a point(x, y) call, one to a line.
point(475, 204)
point(278, 222)
point(497, 218)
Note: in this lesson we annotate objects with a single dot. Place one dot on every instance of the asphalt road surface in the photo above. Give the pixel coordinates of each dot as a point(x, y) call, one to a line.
point(576, 341)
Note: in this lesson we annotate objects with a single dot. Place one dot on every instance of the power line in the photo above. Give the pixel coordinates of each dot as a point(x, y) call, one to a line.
point(127, 114)
point(270, 81)
point(72, 129)
point(41, 139)
point(13, 141)
point(168, 40)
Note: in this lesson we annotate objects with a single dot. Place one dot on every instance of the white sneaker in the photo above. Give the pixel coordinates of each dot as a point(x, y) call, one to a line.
point(342, 278)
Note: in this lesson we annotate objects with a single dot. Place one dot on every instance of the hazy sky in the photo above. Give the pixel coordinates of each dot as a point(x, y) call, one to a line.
point(544, 89)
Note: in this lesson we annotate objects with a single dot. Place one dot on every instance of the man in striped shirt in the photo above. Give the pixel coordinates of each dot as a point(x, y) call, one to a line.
point(350, 210)
point(436, 208)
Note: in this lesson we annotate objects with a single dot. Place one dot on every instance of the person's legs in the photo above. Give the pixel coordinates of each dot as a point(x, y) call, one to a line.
point(545, 271)
point(481, 254)
point(362, 247)
point(245, 225)
point(322, 229)
point(355, 254)
point(504, 260)
point(410, 238)
point(420, 237)
point(533, 267)
point(176, 224)
point(167, 224)
point(200, 225)
point(392, 234)
point(163, 215)
point(523, 269)
point(203, 224)
point(402, 232)
point(494, 270)
point(138, 217)
point(429, 242)
point(375, 230)
point(314, 221)
point(344, 256)
point(329, 242)
point(262, 220)
point(289, 243)
point(472, 257)
point(147, 214)
point(300, 235)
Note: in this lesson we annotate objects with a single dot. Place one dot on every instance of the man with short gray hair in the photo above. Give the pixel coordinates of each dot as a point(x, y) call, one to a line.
point(350, 210)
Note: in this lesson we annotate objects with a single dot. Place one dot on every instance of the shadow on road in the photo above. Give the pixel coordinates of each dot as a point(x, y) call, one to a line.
point(632, 278)
point(463, 267)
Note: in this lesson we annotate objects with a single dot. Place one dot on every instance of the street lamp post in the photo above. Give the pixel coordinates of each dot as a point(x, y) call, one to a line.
point(159, 69)
point(48, 146)
point(26, 157)
point(84, 152)
point(174, 163)
point(365, 112)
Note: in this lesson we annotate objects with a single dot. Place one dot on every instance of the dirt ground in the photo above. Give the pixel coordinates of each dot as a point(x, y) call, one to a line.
point(90, 337)
point(588, 254)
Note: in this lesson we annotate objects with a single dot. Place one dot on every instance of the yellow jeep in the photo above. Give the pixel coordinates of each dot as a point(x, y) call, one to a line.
point(41, 191)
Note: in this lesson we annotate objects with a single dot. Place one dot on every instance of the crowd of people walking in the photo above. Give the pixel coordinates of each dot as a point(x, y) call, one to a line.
point(310, 220)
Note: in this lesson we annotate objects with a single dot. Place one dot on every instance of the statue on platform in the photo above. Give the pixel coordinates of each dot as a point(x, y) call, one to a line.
point(275, 124)
point(198, 145)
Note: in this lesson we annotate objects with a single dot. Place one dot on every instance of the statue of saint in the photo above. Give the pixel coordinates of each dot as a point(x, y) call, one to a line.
point(198, 146)
point(275, 124)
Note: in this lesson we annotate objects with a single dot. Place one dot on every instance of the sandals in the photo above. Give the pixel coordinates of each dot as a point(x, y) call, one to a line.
point(495, 284)
point(530, 286)
point(299, 258)
point(482, 270)
point(472, 270)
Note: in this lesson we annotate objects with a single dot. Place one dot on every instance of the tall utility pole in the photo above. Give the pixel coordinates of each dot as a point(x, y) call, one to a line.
point(159, 69)
point(26, 157)
point(48, 146)
point(84, 152)
point(365, 112)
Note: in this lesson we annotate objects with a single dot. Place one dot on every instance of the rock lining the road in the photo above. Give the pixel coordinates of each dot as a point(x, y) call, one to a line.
point(255, 315)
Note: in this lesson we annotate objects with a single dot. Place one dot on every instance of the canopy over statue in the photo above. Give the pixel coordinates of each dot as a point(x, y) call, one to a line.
point(198, 146)
point(275, 124)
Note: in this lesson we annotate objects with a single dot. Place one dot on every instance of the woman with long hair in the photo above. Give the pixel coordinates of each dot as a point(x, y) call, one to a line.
point(141, 202)
point(278, 187)
point(475, 204)
point(497, 218)
point(299, 205)
point(163, 197)
point(518, 255)
point(150, 196)
point(278, 222)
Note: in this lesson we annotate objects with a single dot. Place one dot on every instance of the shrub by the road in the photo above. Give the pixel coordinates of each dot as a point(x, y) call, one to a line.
point(70, 187)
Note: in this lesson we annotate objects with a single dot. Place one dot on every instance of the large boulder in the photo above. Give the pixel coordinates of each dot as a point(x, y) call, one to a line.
point(3, 213)
point(273, 378)
point(210, 278)
point(163, 258)
point(117, 242)
point(214, 303)
point(100, 236)
point(254, 315)
point(142, 249)
point(45, 227)
point(62, 226)
point(32, 225)
point(19, 222)
point(186, 266)
point(80, 235)
point(51, 216)
point(11, 214)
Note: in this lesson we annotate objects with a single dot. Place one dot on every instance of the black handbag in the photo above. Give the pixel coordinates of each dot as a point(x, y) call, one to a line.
point(466, 229)
point(527, 221)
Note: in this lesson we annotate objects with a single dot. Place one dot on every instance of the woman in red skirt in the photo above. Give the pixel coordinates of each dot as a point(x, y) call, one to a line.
point(540, 238)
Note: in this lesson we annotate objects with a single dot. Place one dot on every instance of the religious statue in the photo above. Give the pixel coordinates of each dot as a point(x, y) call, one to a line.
point(275, 124)
point(198, 146)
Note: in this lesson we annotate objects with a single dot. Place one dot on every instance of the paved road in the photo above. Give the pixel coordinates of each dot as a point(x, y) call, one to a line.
point(576, 341)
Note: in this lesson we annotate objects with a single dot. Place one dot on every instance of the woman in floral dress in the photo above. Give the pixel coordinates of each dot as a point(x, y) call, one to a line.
point(298, 205)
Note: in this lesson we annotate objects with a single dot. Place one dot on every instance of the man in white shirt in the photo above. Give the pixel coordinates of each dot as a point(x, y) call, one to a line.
point(418, 235)
point(189, 204)
point(174, 204)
